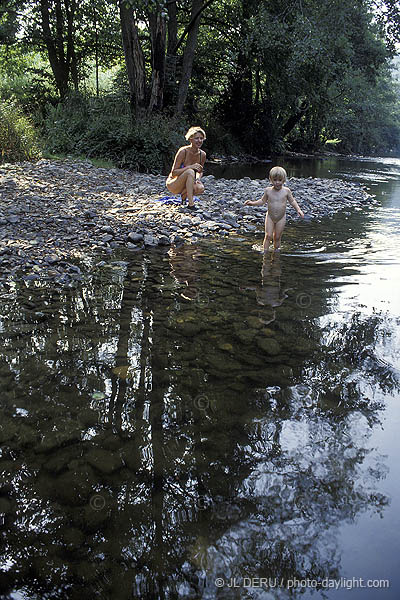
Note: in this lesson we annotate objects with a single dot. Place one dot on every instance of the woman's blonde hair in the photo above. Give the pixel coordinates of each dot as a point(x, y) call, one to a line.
point(193, 130)
point(278, 173)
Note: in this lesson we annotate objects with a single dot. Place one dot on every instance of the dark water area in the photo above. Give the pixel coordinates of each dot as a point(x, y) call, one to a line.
point(361, 169)
point(207, 422)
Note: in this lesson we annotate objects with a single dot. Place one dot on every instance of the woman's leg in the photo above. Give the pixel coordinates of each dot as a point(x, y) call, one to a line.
point(183, 185)
point(190, 179)
point(198, 188)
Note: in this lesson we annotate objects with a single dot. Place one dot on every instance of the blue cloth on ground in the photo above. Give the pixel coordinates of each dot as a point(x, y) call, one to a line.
point(172, 199)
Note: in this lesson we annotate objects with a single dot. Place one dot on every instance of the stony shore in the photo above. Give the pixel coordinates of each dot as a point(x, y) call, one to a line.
point(57, 216)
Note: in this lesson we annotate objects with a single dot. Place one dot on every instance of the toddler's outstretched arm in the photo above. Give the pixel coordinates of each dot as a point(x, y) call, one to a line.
point(259, 202)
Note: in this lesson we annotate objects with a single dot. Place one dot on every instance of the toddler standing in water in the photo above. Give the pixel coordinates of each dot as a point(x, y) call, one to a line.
point(276, 198)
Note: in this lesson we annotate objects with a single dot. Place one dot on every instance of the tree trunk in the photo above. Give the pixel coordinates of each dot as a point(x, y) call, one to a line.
point(134, 60)
point(188, 55)
point(295, 118)
point(170, 86)
point(55, 47)
point(158, 44)
point(238, 107)
point(70, 10)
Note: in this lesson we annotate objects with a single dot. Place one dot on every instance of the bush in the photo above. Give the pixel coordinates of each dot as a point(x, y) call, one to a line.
point(103, 128)
point(28, 80)
point(18, 137)
point(220, 140)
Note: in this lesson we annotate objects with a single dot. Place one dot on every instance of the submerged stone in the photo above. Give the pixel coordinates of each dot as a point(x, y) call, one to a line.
point(268, 345)
point(246, 336)
point(103, 461)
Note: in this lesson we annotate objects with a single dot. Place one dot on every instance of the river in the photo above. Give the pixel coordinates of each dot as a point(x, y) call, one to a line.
point(206, 422)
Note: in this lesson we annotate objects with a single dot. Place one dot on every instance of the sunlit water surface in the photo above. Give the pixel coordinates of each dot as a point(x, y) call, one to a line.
point(208, 423)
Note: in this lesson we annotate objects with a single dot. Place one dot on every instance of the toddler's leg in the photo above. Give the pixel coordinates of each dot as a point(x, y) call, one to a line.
point(279, 227)
point(269, 230)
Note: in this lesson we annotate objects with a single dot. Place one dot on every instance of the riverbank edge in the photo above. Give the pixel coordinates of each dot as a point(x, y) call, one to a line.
point(221, 159)
point(57, 218)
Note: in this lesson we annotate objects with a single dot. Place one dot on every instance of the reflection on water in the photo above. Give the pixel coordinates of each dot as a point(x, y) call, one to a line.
point(202, 413)
point(269, 292)
point(364, 169)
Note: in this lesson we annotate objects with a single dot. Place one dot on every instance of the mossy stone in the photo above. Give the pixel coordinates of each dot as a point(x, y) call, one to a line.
point(61, 459)
point(226, 347)
point(74, 488)
point(268, 345)
point(88, 417)
point(73, 538)
point(246, 336)
point(268, 332)
point(8, 431)
point(189, 329)
point(103, 461)
point(254, 322)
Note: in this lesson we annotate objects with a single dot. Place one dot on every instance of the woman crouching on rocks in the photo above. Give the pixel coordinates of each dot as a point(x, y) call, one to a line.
point(187, 169)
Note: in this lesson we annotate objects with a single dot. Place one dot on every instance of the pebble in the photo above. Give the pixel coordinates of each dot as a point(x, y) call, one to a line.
point(57, 214)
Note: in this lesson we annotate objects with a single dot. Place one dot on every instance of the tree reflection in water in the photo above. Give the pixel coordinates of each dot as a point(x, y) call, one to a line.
point(154, 440)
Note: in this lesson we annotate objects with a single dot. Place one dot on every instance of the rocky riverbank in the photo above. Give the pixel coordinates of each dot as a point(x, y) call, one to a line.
point(57, 216)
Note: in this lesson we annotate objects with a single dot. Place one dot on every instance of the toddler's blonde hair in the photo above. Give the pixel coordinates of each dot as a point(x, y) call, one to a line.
point(277, 173)
point(193, 130)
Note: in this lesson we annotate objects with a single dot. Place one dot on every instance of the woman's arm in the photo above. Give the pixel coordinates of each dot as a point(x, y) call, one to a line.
point(179, 159)
point(203, 157)
point(176, 167)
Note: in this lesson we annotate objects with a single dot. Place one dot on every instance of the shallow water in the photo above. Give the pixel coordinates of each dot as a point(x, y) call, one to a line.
point(209, 423)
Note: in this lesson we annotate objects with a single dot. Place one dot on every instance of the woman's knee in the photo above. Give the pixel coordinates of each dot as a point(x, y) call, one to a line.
point(190, 173)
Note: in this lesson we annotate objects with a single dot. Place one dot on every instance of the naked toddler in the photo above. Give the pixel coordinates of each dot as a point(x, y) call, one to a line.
point(276, 198)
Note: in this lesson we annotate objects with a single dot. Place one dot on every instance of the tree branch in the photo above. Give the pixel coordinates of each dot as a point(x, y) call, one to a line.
point(191, 24)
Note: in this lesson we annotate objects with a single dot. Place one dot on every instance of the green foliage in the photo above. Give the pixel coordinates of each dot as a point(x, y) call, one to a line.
point(220, 140)
point(268, 75)
point(371, 122)
point(103, 128)
point(290, 70)
point(18, 137)
point(9, 25)
point(26, 77)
